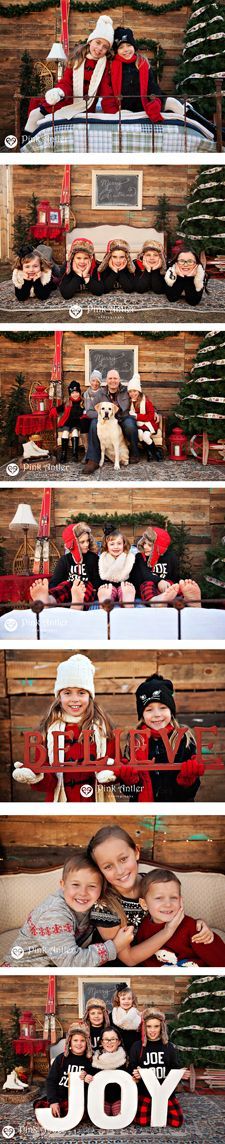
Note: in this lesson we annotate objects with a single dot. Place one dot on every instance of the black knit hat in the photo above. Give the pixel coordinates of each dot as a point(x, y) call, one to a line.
point(155, 689)
point(110, 527)
point(74, 387)
point(123, 36)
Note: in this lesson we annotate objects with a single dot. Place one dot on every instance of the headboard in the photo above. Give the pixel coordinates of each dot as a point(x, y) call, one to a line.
point(100, 236)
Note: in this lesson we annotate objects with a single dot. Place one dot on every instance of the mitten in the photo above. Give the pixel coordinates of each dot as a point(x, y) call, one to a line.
point(189, 772)
point(23, 774)
point(54, 95)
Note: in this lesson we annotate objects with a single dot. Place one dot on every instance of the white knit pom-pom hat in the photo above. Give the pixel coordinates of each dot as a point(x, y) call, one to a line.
point(134, 383)
point(78, 671)
point(103, 30)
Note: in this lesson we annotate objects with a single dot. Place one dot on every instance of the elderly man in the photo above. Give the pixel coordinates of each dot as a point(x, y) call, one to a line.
point(112, 391)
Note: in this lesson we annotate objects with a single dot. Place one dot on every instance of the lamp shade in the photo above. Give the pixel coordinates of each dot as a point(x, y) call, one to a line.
point(23, 519)
point(57, 53)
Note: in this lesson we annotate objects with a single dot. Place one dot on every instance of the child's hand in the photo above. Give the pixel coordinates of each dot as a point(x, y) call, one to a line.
point(55, 1109)
point(170, 927)
point(88, 1078)
point(82, 1074)
point(203, 933)
point(189, 771)
point(78, 592)
point(123, 937)
point(136, 1075)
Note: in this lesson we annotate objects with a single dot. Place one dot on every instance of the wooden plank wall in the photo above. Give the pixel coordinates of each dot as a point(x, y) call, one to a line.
point(30, 993)
point(175, 182)
point(162, 363)
point(26, 689)
point(37, 32)
point(203, 514)
point(181, 841)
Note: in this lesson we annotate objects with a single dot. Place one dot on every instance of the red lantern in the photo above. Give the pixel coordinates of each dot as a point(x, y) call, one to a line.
point(27, 1024)
point(178, 444)
point(49, 221)
point(40, 400)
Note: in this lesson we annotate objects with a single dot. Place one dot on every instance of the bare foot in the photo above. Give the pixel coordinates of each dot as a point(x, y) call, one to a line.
point(127, 592)
point(168, 596)
point(78, 593)
point(162, 585)
point(104, 593)
point(191, 593)
point(39, 590)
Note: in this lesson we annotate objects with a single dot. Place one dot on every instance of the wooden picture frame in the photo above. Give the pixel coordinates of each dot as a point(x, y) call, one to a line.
point(120, 190)
point(96, 358)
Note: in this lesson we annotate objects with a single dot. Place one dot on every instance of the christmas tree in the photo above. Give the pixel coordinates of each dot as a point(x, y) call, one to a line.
point(202, 223)
point(212, 581)
point(202, 397)
point(30, 84)
point(203, 55)
point(16, 405)
point(199, 1030)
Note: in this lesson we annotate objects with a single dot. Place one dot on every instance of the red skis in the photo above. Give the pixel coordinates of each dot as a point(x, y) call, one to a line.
point(41, 554)
point(49, 1029)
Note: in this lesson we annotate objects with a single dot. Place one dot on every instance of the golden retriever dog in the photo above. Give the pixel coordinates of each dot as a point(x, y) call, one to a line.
point(112, 442)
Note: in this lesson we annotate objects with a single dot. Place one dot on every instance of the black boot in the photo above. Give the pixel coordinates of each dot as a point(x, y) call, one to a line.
point(157, 452)
point(150, 453)
point(75, 442)
point(64, 449)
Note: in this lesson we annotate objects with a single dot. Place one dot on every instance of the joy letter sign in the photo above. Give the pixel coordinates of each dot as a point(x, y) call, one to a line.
point(159, 1093)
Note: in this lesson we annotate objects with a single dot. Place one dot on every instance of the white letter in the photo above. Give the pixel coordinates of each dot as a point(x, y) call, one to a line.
point(75, 1109)
point(129, 1099)
point(160, 1093)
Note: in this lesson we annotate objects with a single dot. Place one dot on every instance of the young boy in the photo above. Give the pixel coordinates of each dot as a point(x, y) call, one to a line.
point(161, 896)
point(59, 930)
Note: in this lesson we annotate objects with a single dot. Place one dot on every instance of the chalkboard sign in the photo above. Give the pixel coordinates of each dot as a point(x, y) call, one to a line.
point(119, 191)
point(124, 359)
point(103, 988)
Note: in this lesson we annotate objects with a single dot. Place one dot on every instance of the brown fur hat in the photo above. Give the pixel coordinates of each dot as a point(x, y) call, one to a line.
point(157, 1015)
point(94, 1003)
point(152, 244)
point(117, 244)
point(78, 1027)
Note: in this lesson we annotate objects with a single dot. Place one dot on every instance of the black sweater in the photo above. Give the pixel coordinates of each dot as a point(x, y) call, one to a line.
point(165, 786)
point(155, 1055)
point(111, 281)
point(146, 281)
point(184, 286)
point(66, 571)
point(131, 87)
point(57, 1080)
point(41, 291)
point(73, 284)
point(166, 567)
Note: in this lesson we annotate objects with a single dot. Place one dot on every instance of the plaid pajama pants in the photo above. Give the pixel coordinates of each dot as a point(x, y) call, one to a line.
point(174, 1115)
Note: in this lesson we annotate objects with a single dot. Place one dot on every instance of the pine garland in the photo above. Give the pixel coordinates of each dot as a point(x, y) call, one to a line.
point(26, 337)
point(13, 10)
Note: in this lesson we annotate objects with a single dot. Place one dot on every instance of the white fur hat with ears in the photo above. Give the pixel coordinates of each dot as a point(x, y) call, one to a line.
point(77, 671)
point(103, 30)
point(134, 383)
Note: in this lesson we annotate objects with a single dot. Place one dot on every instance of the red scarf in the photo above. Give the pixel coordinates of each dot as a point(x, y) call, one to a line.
point(152, 109)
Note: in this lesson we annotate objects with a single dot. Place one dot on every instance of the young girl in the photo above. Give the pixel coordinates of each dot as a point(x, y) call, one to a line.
point(97, 1020)
point(125, 1014)
point(122, 572)
point(59, 930)
point(110, 1055)
point(133, 83)
point(154, 1050)
point(81, 273)
point(117, 857)
point(117, 270)
point(147, 419)
point(95, 384)
point(71, 421)
point(85, 80)
point(157, 711)
point(185, 276)
point(76, 1058)
point(158, 554)
point(32, 276)
point(73, 711)
point(76, 577)
point(150, 268)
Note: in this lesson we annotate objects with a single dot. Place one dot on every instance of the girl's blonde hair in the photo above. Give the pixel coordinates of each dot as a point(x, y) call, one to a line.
point(117, 532)
point(80, 53)
point(93, 714)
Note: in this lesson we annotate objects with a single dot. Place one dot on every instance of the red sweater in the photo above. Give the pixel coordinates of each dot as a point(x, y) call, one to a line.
point(76, 783)
point(181, 943)
point(66, 84)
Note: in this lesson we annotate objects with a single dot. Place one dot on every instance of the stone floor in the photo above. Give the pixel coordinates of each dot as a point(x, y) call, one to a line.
point(120, 309)
point(167, 471)
point(203, 1124)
